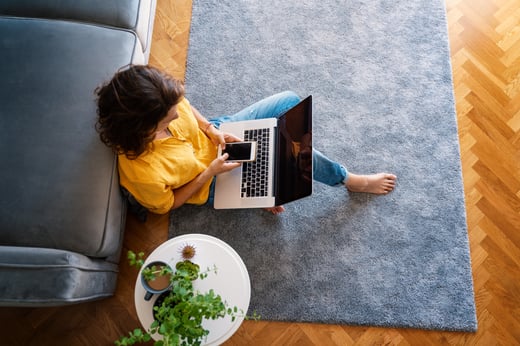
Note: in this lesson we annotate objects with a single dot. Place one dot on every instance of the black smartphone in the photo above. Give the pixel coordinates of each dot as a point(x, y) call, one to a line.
point(239, 151)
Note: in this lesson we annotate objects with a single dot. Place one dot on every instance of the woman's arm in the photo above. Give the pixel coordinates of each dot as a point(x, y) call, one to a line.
point(204, 124)
point(217, 137)
point(217, 166)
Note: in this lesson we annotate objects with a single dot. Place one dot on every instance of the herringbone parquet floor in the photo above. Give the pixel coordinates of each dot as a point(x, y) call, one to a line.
point(485, 44)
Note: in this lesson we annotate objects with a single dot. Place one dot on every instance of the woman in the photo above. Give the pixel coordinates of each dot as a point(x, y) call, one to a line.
point(168, 150)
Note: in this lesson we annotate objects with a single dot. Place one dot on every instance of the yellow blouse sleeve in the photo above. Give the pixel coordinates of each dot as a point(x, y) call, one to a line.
point(150, 192)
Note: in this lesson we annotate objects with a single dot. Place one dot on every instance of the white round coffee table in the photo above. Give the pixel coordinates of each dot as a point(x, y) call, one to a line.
point(231, 281)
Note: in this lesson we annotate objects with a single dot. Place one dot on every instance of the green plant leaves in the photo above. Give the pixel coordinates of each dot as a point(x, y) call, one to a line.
point(135, 260)
point(180, 315)
point(135, 336)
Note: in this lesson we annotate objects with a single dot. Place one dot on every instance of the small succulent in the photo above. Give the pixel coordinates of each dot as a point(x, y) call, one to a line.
point(188, 251)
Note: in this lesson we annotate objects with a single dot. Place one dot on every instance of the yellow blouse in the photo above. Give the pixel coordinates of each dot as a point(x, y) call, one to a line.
point(169, 164)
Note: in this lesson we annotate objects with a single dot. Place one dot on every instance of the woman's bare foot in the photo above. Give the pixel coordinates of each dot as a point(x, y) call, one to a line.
point(276, 210)
point(380, 184)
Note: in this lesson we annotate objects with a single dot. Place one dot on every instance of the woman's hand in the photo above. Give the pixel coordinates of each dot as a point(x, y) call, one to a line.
point(220, 138)
point(217, 166)
point(229, 138)
point(216, 136)
point(220, 165)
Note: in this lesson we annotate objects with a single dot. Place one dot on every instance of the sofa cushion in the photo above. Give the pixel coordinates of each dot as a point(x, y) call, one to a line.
point(136, 15)
point(61, 277)
point(59, 182)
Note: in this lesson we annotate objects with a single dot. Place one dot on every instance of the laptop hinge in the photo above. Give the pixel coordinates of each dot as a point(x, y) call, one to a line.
point(276, 165)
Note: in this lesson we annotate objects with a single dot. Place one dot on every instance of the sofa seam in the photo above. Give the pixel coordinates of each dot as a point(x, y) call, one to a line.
point(54, 266)
point(100, 25)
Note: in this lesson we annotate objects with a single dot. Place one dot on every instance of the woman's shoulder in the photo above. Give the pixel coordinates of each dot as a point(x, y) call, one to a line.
point(143, 160)
point(184, 110)
point(184, 105)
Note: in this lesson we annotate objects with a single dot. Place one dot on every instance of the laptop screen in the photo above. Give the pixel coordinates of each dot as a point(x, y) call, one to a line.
point(293, 166)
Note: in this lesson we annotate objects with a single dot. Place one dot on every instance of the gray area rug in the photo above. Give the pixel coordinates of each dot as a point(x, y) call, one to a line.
point(380, 76)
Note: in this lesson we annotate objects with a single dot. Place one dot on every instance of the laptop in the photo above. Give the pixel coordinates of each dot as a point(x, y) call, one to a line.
point(282, 170)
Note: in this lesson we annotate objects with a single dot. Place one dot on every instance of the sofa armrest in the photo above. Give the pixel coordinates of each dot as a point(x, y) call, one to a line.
point(50, 277)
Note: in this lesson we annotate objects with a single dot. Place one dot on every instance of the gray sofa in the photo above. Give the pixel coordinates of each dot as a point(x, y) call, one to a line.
point(62, 214)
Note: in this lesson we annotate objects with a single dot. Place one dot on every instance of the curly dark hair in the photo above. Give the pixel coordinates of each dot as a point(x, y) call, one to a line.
point(130, 106)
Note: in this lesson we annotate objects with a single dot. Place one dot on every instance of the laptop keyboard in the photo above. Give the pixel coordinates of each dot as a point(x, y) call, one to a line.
point(255, 174)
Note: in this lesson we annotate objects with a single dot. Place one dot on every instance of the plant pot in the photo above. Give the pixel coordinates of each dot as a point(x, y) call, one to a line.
point(158, 302)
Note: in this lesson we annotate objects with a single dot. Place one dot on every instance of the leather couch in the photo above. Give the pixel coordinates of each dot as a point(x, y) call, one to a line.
point(62, 214)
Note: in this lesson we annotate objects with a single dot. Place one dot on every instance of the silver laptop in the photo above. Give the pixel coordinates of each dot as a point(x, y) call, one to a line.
point(282, 170)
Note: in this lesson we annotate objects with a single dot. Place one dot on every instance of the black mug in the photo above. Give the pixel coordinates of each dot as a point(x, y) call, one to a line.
point(160, 283)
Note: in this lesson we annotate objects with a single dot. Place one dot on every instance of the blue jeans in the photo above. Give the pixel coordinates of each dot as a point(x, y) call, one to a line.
point(324, 170)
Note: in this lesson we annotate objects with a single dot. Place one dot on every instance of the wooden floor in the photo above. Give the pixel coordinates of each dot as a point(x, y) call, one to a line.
point(485, 43)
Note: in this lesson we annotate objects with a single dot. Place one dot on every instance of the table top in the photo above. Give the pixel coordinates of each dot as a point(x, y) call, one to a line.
point(231, 281)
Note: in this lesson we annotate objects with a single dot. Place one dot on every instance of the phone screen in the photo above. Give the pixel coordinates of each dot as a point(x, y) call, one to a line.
point(239, 151)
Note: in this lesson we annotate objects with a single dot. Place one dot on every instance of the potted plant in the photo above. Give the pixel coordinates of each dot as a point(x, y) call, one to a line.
point(180, 309)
